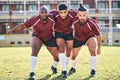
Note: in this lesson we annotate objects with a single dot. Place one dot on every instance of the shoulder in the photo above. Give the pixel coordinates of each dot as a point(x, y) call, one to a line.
point(72, 12)
point(51, 18)
point(54, 11)
point(31, 21)
point(75, 20)
point(91, 20)
point(33, 18)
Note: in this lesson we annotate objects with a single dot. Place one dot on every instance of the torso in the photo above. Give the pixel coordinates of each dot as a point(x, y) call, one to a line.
point(42, 29)
point(64, 25)
point(82, 32)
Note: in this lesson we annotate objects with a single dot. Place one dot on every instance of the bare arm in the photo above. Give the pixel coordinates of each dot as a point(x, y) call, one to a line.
point(16, 29)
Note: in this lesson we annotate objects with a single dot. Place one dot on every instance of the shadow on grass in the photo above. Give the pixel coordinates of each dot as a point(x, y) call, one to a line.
point(70, 74)
point(88, 78)
point(46, 77)
point(58, 78)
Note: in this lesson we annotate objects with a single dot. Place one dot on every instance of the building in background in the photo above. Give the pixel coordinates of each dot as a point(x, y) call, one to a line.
point(106, 12)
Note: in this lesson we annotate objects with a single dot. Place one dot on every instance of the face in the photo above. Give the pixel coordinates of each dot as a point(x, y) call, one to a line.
point(43, 14)
point(63, 13)
point(82, 15)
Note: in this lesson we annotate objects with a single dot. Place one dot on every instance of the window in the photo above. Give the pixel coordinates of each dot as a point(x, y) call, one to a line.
point(87, 6)
point(12, 42)
point(32, 7)
point(5, 7)
point(27, 42)
point(101, 23)
point(48, 6)
point(115, 22)
point(116, 41)
point(19, 7)
point(116, 4)
point(101, 5)
point(102, 41)
point(19, 42)
point(75, 6)
point(4, 27)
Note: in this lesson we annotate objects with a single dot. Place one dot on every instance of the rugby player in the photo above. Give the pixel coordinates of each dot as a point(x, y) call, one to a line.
point(43, 26)
point(86, 32)
point(64, 34)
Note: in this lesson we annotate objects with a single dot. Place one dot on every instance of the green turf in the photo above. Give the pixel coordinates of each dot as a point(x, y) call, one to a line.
point(14, 64)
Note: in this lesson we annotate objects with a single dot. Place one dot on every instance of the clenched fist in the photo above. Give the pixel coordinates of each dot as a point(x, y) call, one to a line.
point(98, 51)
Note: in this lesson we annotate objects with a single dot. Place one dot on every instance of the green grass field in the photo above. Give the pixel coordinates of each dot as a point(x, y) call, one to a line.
point(14, 64)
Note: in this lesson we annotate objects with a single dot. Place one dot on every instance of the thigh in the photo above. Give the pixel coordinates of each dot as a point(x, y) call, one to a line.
point(60, 43)
point(36, 45)
point(69, 43)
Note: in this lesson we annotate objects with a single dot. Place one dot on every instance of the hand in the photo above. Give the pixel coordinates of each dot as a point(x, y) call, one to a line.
point(9, 31)
point(98, 51)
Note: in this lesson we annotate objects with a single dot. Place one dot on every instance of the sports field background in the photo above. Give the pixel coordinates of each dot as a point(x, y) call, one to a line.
point(14, 64)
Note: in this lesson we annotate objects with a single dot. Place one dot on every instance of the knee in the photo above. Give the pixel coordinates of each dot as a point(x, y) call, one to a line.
point(69, 48)
point(61, 49)
point(34, 54)
point(35, 51)
point(67, 55)
point(61, 46)
point(68, 51)
point(93, 51)
point(56, 59)
point(73, 57)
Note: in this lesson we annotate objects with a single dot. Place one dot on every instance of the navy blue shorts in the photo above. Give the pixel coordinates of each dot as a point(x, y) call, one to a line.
point(64, 36)
point(49, 43)
point(78, 43)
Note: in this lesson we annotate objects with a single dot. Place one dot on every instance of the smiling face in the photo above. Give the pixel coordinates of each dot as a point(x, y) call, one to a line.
point(63, 13)
point(82, 15)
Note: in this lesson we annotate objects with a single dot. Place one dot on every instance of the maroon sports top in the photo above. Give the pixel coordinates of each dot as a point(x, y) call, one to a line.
point(89, 28)
point(43, 29)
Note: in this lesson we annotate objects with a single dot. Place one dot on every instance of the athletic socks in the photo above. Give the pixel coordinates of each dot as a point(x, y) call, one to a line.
point(33, 61)
point(55, 63)
point(67, 60)
point(74, 64)
point(92, 62)
point(62, 59)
